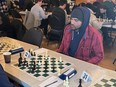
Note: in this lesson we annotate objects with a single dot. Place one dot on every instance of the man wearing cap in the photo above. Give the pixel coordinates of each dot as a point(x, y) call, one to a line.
point(80, 40)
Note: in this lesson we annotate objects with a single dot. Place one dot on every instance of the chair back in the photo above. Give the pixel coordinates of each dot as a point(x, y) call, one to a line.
point(26, 16)
point(56, 23)
point(32, 21)
point(33, 36)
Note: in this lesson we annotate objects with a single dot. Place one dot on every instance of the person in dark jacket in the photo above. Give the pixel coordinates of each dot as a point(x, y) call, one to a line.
point(4, 81)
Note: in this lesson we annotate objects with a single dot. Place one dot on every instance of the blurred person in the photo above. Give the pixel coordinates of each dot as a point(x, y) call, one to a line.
point(39, 14)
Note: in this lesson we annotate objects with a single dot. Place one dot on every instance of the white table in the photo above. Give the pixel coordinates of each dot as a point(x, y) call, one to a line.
point(26, 80)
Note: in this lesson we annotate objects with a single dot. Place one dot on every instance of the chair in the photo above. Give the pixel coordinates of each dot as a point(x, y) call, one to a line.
point(57, 28)
point(31, 21)
point(33, 36)
point(112, 34)
point(15, 14)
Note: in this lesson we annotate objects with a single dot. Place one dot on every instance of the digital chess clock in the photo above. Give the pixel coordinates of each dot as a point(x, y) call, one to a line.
point(69, 73)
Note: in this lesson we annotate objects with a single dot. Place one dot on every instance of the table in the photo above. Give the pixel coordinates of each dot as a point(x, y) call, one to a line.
point(26, 80)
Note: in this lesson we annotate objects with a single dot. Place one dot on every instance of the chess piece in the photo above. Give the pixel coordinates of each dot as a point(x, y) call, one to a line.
point(60, 59)
point(25, 61)
point(64, 83)
point(20, 60)
point(80, 81)
point(34, 67)
point(67, 82)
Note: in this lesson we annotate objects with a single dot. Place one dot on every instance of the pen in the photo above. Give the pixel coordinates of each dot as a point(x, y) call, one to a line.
point(50, 83)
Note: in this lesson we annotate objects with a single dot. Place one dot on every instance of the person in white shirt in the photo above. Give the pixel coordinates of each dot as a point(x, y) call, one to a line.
point(40, 15)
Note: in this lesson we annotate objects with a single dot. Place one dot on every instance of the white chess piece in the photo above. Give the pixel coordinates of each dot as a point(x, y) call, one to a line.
point(39, 63)
point(46, 54)
point(49, 61)
point(60, 59)
point(64, 83)
point(67, 82)
point(42, 59)
point(58, 71)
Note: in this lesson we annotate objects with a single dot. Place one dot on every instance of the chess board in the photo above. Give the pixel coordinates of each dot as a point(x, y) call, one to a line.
point(6, 45)
point(106, 82)
point(45, 70)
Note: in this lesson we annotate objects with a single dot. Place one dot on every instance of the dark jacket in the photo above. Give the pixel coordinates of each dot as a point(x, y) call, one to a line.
point(4, 81)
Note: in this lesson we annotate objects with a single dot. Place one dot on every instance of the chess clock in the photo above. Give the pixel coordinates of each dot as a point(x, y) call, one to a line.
point(69, 73)
point(17, 50)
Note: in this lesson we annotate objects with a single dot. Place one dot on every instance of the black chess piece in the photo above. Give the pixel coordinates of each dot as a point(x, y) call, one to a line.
point(34, 54)
point(29, 51)
point(25, 61)
point(80, 81)
point(20, 60)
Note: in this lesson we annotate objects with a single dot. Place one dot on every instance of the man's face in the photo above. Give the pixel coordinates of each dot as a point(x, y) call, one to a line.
point(75, 23)
point(102, 10)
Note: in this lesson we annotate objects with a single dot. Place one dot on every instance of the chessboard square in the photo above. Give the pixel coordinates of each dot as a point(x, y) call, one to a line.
point(30, 67)
point(101, 83)
point(98, 85)
point(37, 75)
point(45, 71)
point(37, 71)
point(31, 62)
point(104, 80)
point(39, 56)
point(38, 67)
point(15, 64)
point(60, 63)
point(45, 75)
point(53, 71)
point(68, 64)
point(32, 59)
point(114, 84)
point(113, 80)
point(53, 58)
point(61, 67)
point(107, 85)
point(29, 71)
point(109, 82)
point(22, 67)
point(53, 64)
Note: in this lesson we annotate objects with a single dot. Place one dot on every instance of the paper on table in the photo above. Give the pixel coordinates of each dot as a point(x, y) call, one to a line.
point(48, 83)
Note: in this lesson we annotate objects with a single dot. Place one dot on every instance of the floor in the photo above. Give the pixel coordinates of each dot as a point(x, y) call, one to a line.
point(107, 62)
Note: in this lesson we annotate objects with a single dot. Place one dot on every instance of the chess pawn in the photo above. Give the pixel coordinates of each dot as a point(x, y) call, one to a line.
point(67, 82)
point(64, 83)
point(42, 59)
point(58, 71)
point(49, 61)
point(39, 63)
point(60, 59)
point(80, 81)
